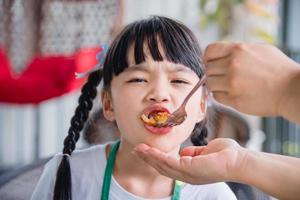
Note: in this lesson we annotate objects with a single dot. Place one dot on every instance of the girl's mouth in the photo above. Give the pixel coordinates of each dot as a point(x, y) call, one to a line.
point(154, 116)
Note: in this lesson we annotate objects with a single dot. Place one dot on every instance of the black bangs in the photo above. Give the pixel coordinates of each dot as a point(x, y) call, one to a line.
point(177, 43)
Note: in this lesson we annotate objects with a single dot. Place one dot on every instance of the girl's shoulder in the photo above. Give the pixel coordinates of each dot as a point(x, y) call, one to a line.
point(94, 152)
point(87, 169)
point(82, 159)
point(88, 155)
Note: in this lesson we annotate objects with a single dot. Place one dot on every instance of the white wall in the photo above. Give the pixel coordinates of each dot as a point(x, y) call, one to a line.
point(18, 126)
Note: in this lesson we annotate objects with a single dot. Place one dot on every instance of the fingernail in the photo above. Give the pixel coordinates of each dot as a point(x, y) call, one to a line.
point(137, 151)
point(134, 152)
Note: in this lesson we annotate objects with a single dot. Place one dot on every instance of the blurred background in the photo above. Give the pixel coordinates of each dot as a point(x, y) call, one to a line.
point(44, 42)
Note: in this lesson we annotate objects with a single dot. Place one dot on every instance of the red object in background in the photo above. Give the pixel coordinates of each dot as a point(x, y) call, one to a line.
point(45, 77)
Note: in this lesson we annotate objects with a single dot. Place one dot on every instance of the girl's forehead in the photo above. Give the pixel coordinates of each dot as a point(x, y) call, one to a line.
point(150, 66)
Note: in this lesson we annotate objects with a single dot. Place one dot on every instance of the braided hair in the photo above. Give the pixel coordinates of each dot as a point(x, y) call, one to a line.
point(200, 131)
point(63, 183)
point(179, 45)
point(199, 134)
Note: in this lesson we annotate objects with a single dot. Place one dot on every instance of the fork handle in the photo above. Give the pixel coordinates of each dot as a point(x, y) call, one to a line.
point(200, 82)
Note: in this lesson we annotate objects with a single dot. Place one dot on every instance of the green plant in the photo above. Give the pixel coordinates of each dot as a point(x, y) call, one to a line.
point(218, 12)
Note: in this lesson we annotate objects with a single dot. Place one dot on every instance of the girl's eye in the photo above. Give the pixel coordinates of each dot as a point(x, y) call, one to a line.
point(137, 80)
point(178, 81)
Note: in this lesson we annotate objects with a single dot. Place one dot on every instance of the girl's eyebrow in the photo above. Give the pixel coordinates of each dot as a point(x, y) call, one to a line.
point(143, 67)
point(180, 68)
point(139, 67)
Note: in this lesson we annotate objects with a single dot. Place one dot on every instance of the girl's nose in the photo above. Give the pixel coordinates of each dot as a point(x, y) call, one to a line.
point(160, 92)
point(159, 99)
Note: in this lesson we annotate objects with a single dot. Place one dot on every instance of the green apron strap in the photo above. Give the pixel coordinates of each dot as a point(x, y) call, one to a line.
point(177, 190)
point(108, 171)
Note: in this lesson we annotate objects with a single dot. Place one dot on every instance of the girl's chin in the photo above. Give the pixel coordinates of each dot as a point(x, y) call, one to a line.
point(164, 145)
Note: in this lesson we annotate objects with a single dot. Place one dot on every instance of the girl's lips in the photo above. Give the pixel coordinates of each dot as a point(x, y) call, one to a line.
point(158, 131)
point(152, 129)
point(155, 108)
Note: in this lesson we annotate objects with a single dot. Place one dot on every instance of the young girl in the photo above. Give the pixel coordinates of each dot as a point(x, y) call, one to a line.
point(149, 69)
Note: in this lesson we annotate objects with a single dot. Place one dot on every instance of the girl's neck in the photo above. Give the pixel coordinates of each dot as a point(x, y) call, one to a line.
point(137, 177)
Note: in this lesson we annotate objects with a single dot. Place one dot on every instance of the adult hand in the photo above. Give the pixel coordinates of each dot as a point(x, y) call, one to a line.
point(220, 160)
point(224, 160)
point(252, 78)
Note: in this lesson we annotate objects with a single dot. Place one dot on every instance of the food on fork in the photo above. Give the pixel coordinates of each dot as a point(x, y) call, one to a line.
point(155, 118)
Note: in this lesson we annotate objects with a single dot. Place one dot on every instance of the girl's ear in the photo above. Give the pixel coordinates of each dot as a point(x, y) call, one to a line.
point(107, 106)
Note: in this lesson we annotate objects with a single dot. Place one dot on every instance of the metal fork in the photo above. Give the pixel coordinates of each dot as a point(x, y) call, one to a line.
point(178, 116)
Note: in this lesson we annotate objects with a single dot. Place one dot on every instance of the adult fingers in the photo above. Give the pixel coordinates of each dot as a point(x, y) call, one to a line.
point(162, 162)
point(200, 169)
point(217, 50)
point(165, 164)
point(217, 83)
point(184, 169)
point(169, 166)
point(191, 151)
point(141, 147)
point(218, 66)
point(224, 98)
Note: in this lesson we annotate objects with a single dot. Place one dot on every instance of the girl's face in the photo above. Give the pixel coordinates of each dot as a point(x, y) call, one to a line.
point(148, 87)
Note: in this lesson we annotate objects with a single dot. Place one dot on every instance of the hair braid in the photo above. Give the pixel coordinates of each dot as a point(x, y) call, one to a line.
point(199, 135)
point(63, 183)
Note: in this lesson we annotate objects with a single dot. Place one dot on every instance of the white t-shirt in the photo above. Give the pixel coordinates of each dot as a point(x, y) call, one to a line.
point(87, 168)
